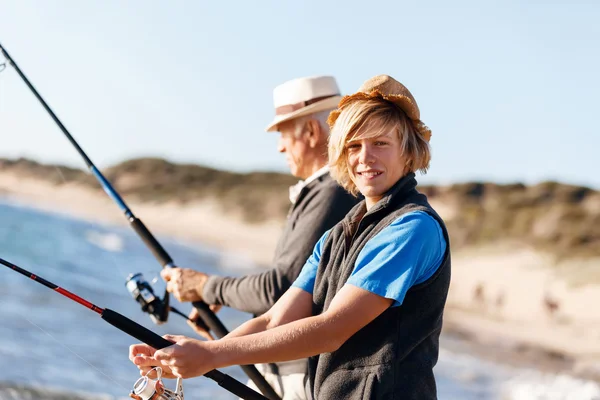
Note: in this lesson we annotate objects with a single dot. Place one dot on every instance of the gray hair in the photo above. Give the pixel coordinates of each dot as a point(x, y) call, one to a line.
point(320, 117)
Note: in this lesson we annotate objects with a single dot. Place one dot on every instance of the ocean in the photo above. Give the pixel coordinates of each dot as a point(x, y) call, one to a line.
point(53, 348)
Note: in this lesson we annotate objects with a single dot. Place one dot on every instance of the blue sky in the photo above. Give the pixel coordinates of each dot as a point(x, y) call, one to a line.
point(509, 89)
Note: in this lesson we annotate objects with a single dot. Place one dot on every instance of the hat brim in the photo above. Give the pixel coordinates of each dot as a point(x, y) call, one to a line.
point(403, 102)
point(329, 103)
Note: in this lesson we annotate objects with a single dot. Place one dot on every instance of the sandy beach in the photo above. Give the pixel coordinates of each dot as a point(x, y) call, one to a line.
point(516, 303)
point(201, 221)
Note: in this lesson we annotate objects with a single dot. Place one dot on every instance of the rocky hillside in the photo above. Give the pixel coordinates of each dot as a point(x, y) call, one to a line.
point(562, 219)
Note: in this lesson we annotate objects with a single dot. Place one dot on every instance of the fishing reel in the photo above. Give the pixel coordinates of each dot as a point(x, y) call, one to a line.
point(142, 292)
point(147, 388)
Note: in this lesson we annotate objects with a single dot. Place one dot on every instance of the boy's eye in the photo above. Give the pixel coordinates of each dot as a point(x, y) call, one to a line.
point(380, 143)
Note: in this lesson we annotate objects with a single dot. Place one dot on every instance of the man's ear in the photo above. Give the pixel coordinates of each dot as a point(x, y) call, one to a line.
point(313, 129)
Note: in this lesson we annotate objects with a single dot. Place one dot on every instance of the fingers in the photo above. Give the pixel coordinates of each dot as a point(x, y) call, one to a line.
point(186, 358)
point(172, 288)
point(144, 361)
point(198, 325)
point(185, 284)
point(166, 356)
point(146, 357)
point(166, 273)
point(170, 275)
point(143, 355)
point(140, 349)
point(215, 307)
point(174, 338)
point(193, 314)
point(173, 278)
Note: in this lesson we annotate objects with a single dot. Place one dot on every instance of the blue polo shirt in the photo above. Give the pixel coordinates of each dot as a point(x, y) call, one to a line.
point(405, 253)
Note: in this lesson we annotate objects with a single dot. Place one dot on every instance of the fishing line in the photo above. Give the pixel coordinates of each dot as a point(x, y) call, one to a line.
point(74, 353)
point(2, 68)
point(157, 308)
point(117, 264)
point(139, 332)
point(110, 254)
point(114, 262)
point(96, 369)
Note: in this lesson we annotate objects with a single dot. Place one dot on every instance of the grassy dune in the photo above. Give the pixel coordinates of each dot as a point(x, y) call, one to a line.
point(558, 218)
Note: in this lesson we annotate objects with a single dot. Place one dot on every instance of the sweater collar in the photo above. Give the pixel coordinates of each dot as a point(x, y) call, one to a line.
point(399, 190)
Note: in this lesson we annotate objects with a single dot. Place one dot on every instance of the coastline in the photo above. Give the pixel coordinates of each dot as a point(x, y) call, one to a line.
point(514, 304)
point(198, 222)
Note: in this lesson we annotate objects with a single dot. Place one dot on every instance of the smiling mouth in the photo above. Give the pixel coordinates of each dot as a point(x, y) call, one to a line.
point(369, 174)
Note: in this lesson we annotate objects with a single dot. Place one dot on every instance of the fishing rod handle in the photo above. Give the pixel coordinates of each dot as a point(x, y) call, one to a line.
point(148, 238)
point(134, 329)
point(207, 317)
point(214, 324)
point(159, 252)
point(145, 335)
point(234, 386)
point(210, 319)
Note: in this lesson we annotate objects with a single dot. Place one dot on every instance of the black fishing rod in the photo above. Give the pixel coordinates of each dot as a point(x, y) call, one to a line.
point(141, 333)
point(137, 286)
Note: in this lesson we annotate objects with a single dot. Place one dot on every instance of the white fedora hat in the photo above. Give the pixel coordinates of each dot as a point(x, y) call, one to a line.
point(304, 96)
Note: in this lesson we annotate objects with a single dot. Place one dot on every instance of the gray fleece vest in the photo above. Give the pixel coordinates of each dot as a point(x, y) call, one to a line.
point(394, 355)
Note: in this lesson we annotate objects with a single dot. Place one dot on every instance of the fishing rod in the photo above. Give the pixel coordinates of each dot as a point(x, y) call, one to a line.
point(141, 333)
point(136, 285)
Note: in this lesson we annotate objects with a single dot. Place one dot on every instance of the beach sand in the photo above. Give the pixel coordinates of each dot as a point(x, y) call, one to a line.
point(521, 303)
point(201, 221)
point(517, 304)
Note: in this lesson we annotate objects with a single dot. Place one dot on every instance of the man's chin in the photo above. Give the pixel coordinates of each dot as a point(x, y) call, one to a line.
point(295, 172)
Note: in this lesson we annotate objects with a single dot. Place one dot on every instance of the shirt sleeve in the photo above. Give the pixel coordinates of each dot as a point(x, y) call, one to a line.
point(306, 279)
point(256, 293)
point(403, 254)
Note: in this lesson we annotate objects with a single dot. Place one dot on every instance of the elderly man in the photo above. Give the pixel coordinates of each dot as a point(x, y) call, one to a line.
point(301, 109)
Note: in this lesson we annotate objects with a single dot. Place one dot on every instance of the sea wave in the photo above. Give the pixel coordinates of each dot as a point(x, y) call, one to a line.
point(10, 391)
point(107, 241)
point(535, 385)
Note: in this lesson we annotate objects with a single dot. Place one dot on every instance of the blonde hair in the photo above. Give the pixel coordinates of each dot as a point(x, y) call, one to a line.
point(366, 119)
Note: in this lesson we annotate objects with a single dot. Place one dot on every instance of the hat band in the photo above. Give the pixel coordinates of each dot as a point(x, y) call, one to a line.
point(289, 108)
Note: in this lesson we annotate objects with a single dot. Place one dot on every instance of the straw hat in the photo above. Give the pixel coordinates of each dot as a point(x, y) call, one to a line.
point(387, 88)
point(303, 96)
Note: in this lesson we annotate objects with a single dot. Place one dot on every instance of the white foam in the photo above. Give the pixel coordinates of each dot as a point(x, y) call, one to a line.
point(534, 385)
point(107, 241)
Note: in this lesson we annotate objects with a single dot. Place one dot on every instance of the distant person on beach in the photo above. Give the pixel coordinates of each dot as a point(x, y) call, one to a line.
point(318, 203)
point(367, 307)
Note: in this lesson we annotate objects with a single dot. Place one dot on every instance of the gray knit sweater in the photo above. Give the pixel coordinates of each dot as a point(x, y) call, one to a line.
point(319, 206)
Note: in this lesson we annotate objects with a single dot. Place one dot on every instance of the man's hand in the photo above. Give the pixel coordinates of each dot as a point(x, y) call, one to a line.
point(194, 315)
point(185, 284)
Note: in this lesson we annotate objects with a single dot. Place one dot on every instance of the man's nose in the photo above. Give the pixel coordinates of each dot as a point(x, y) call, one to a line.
point(280, 146)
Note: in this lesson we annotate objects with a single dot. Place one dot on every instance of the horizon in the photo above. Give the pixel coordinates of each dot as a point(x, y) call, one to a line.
point(428, 183)
point(509, 91)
